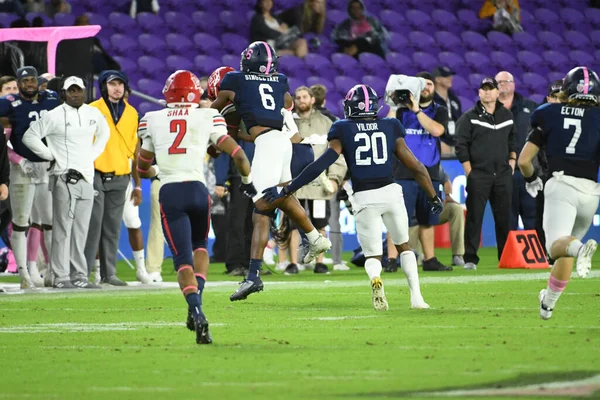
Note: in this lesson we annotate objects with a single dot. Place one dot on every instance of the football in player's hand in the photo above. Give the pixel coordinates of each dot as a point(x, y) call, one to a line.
point(213, 151)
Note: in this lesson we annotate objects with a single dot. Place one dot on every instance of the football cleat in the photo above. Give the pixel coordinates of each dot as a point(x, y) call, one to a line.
point(247, 288)
point(545, 312)
point(321, 245)
point(584, 258)
point(378, 295)
point(190, 324)
point(202, 333)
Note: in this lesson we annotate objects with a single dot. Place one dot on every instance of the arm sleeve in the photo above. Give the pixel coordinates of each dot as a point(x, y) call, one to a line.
point(219, 128)
point(102, 134)
point(4, 166)
point(463, 138)
point(34, 135)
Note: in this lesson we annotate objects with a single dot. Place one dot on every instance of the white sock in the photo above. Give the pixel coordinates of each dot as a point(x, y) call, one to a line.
point(31, 265)
point(573, 248)
point(373, 268)
point(313, 235)
point(410, 269)
point(140, 261)
point(47, 234)
point(18, 242)
point(97, 264)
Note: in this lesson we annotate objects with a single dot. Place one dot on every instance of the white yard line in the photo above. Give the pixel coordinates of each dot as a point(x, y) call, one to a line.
point(225, 286)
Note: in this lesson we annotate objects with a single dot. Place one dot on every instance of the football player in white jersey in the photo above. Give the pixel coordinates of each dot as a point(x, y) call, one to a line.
point(178, 137)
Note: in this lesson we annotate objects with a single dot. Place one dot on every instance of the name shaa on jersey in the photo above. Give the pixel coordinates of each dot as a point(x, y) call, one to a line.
point(250, 77)
point(178, 112)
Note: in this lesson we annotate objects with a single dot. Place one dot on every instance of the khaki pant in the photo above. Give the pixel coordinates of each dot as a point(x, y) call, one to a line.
point(155, 248)
point(452, 213)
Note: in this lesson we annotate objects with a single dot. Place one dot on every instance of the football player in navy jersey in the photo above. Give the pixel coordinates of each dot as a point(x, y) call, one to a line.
point(259, 95)
point(29, 195)
point(368, 145)
point(570, 134)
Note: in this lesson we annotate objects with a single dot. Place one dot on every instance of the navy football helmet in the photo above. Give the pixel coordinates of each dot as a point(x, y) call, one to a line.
point(259, 58)
point(581, 83)
point(361, 102)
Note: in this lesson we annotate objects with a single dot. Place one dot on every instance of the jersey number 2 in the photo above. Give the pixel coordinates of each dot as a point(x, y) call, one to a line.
point(178, 126)
point(370, 146)
point(577, 124)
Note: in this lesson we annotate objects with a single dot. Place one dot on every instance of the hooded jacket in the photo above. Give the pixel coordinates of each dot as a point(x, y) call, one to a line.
point(122, 120)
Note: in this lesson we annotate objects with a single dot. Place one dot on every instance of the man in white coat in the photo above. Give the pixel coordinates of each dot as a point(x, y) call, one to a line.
point(76, 135)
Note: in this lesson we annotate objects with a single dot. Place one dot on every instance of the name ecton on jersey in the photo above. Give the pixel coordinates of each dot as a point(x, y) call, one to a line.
point(179, 137)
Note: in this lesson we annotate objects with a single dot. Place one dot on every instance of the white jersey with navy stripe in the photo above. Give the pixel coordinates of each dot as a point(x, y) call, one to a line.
point(179, 138)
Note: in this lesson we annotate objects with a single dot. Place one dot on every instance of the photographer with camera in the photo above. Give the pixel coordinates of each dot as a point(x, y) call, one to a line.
point(76, 135)
point(425, 122)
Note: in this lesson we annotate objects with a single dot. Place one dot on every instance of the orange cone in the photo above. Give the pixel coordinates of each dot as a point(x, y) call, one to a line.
point(523, 249)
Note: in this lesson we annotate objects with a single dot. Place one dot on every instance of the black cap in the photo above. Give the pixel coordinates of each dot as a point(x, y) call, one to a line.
point(443, 72)
point(426, 75)
point(25, 72)
point(555, 87)
point(487, 81)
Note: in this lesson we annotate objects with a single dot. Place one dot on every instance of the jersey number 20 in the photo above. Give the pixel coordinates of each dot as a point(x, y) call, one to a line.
point(178, 126)
point(368, 152)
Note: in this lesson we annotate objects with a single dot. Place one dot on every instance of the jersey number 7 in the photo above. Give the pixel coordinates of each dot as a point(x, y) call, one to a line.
point(577, 124)
point(178, 126)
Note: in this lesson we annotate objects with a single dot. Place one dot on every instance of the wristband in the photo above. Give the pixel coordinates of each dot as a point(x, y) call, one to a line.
point(247, 179)
point(137, 188)
point(156, 170)
point(531, 178)
point(418, 112)
point(512, 158)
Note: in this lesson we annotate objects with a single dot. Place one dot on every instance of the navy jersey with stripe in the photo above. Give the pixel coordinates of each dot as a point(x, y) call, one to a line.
point(21, 113)
point(258, 98)
point(369, 149)
point(570, 136)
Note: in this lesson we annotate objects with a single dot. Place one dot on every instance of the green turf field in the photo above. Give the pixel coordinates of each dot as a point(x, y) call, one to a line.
point(307, 337)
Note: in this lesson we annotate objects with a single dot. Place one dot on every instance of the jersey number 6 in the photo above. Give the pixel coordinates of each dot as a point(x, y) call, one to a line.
point(178, 126)
point(267, 100)
point(370, 148)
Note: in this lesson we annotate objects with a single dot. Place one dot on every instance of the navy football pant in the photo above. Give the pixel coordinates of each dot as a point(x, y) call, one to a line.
point(185, 217)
